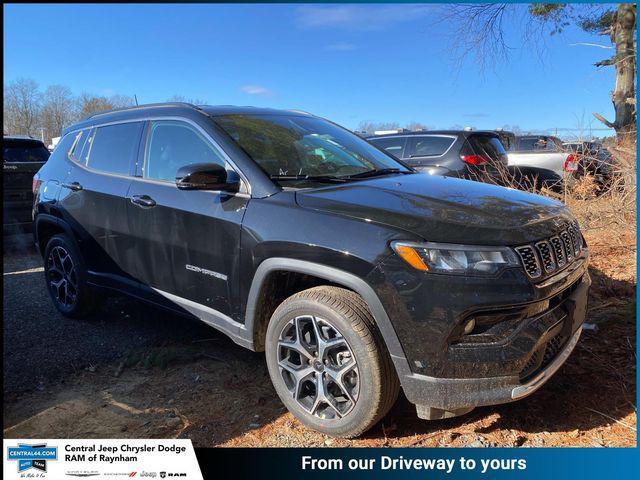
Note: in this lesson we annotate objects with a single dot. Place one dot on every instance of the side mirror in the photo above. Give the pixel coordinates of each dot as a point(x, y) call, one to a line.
point(206, 176)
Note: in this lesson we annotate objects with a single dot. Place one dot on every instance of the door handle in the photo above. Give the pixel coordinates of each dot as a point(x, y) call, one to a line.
point(75, 186)
point(143, 200)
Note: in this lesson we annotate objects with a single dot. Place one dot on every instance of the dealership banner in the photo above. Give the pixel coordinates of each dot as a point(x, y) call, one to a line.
point(169, 459)
point(418, 463)
point(99, 459)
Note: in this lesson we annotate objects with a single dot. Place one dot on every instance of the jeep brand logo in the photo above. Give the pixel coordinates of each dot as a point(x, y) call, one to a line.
point(558, 223)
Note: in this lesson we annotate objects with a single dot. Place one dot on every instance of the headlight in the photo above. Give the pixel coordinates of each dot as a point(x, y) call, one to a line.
point(455, 259)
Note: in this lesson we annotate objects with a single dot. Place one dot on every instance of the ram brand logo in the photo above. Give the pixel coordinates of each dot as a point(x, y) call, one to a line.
point(205, 271)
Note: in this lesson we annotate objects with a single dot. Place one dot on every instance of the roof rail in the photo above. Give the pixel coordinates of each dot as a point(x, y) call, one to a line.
point(148, 105)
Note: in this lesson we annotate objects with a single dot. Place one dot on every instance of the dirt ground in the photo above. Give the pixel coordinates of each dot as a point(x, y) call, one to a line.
point(204, 387)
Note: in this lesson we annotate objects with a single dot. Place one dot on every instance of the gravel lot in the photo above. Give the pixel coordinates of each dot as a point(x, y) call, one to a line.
point(42, 347)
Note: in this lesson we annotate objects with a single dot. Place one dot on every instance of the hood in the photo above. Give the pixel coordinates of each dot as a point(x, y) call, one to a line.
point(443, 209)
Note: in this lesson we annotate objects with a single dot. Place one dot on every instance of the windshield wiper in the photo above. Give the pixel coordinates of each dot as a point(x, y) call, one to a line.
point(378, 172)
point(315, 178)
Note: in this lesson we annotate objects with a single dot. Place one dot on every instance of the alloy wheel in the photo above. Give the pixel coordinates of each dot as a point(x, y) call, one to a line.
point(318, 367)
point(62, 276)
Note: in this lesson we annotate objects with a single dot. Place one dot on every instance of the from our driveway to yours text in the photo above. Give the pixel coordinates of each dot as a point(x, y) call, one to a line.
point(387, 462)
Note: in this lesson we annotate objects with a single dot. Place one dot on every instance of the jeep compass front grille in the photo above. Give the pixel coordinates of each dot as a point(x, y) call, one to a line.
point(552, 254)
point(530, 261)
point(547, 258)
point(558, 251)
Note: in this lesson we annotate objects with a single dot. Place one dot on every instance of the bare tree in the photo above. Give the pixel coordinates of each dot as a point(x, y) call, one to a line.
point(478, 31)
point(121, 101)
point(89, 104)
point(58, 110)
point(513, 129)
point(621, 28)
point(27, 111)
point(8, 112)
point(366, 126)
point(416, 126)
point(22, 107)
point(183, 99)
point(371, 127)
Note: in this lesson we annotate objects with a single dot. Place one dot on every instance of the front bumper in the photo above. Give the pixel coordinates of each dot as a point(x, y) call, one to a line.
point(541, 378)
point(541, 362)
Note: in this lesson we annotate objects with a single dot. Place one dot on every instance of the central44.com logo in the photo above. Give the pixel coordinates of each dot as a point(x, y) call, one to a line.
point(32, 456)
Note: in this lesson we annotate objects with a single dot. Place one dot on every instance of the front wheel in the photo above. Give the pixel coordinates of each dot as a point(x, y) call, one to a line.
point(328, 362)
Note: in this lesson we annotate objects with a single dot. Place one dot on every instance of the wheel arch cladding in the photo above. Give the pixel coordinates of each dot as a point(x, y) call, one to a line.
point(46, 227)
point(255, 314)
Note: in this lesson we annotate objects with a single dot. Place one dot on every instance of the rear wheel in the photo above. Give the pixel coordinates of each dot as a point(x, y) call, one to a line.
point(328, 362)
point(66, 276)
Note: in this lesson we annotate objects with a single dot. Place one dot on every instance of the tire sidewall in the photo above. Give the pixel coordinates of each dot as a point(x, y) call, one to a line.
point(370, 380)
point(81, 273)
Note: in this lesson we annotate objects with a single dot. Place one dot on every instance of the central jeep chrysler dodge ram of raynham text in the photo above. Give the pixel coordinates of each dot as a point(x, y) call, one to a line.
point(356, 275)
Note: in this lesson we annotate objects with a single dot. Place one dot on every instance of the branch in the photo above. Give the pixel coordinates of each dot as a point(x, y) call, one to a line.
point(605, 63)
point(614, 60)
point(604, 120)
point(586, 44)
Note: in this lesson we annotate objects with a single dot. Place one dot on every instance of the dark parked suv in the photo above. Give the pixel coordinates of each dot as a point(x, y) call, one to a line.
point(354, 274)
point(474, 155)
point(22, 157)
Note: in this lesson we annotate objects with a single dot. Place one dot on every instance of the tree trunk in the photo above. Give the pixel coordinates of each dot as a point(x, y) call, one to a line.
point(624, 94)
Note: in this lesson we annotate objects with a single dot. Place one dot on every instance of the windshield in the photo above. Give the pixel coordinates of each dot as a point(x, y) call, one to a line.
point(488, 146)
point(293, 147)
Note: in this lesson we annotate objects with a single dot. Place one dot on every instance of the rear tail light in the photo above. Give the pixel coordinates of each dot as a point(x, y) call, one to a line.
point(35, 185)
point(474, 159)
point(571, 163)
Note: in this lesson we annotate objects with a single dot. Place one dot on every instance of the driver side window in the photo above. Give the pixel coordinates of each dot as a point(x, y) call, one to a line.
point(174, 144)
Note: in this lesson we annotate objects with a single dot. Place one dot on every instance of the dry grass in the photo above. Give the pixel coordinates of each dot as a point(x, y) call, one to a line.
point(608, 219)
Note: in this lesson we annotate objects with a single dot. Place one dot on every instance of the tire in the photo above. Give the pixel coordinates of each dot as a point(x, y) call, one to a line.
point(344, 321)
point(66, 277)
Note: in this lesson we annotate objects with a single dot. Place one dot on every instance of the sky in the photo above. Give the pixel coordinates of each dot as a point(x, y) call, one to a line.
point(348, 63)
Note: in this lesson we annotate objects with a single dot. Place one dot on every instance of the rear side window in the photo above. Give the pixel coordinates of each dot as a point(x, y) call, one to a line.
point(428, 146)
point(114, 147)
point(80, 147)
point(392, 145)
point(173, 145)
point(488, 146)
point(19, 151)
point(63, 147)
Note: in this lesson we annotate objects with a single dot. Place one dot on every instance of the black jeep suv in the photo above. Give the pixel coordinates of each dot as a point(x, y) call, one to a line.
point(356, 275)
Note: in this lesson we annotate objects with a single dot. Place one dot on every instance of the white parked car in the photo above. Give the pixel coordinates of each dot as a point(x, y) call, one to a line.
point(542, 152)
point(540, 159)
